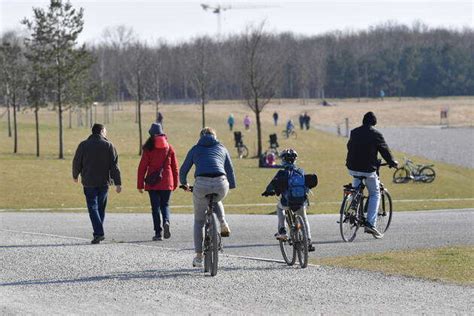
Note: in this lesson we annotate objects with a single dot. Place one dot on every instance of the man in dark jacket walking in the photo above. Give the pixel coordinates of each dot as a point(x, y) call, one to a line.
point(363, 146)
point(96, 160)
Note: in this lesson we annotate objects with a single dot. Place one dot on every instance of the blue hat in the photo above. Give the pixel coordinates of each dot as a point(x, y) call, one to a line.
point(155, 129)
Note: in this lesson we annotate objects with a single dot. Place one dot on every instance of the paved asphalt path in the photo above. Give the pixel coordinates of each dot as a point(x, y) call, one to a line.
point(449, 145)
point(48, 266)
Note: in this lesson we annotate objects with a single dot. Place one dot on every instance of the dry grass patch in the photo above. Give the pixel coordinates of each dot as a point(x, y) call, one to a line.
point(30, 182)
point(448, 264)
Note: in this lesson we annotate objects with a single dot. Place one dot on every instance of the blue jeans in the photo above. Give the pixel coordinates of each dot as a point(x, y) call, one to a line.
point(96, 198)
point(159, 200)
point(373, 186)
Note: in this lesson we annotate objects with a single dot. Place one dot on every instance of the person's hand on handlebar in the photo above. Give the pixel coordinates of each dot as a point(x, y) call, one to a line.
point(393, 164)
point(186, 187)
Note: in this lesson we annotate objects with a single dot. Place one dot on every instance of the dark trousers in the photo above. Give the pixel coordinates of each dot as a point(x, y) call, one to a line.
point(96, 198)
point(159, 200)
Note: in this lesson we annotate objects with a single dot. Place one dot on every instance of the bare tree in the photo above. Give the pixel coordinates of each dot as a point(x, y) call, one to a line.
point(138, 67)
point(14, 70)
point(54, 34)
point(260, 72)
point(201, 72)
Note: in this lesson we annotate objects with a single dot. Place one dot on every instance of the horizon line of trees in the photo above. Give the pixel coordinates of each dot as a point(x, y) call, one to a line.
point(49, 67)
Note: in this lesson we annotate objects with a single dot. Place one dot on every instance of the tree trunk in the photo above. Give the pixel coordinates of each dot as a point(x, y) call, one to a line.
point(60, 117)
point(15, 130)
point(8, 111)
point(259, 133)
point(203, 110)
point(9, 119)
point(70, 117)
point(139, 113)
point(37, 131)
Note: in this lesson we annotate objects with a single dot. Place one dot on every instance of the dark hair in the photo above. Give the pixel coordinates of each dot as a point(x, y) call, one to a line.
point(149, 144)
point(97, 128)
point(369, 119)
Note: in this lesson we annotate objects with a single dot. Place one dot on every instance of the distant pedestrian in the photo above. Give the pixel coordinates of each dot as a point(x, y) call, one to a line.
point(307, 120)
point(382, 94)
point(96, 160)
point(301, 120)
point(159, 118)
point(275, 118)
point(158, 158)
point(231, 121)
point(247, 122)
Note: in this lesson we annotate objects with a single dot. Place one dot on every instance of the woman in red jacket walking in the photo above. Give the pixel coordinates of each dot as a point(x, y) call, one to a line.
point(158, 154)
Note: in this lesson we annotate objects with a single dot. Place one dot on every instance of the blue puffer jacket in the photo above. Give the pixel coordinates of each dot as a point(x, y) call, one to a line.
point(210, 158)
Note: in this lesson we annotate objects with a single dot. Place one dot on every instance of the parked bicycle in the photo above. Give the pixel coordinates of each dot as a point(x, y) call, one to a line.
point(289, 133)
point(212, 242)
point(354, 209)
point(411, 171)
point(242, 150)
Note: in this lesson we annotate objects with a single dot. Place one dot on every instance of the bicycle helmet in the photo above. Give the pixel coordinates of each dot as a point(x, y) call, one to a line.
point(289, 155)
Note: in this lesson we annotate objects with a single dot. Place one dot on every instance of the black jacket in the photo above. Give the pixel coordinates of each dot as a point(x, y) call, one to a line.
point(279, 183)
point(96, 160)
point(364, 144)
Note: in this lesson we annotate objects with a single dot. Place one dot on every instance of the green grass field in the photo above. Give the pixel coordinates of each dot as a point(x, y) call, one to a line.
point(27, 182)
point(448, 264)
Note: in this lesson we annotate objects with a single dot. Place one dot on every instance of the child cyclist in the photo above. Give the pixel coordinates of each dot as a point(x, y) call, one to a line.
point(293, 186)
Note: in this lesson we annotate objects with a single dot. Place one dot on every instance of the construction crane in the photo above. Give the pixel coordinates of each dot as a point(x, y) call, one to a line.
point(218, 9)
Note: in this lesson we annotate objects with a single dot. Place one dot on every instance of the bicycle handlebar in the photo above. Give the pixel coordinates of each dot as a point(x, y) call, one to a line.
point(186, 188)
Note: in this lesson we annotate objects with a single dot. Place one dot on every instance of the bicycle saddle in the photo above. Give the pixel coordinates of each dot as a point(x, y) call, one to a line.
point(360, 177)
point(213, 195)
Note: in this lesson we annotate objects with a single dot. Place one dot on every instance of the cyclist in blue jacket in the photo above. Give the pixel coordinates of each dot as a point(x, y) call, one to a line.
point(213, 173)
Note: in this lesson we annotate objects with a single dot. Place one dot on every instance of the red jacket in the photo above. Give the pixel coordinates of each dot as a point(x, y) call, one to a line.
point(152, 160)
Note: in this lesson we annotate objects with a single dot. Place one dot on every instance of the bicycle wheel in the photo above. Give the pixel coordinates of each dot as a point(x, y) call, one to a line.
point(239, 152)
point(401, 175)
point(285, 134)
point(245, 152)
point(384, 214)
point(301, 241)
point(287, 250)
point(293, 135)
point(348, 220)
point(211, 252)
point(427, 174)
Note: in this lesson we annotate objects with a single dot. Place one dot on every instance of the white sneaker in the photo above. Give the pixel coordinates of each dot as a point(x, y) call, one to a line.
point(225, 230)
point(197, 262)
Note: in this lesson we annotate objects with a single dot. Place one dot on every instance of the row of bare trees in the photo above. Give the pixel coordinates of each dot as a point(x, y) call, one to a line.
point(49, 67)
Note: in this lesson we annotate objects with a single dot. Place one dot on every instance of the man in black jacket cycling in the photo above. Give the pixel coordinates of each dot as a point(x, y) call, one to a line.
point(363, 146)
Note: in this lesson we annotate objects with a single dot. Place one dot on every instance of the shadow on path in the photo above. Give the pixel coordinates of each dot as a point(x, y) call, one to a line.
point(137, 275)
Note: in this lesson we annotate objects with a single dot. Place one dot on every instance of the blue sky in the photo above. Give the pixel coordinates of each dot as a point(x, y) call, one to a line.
point(180, 20)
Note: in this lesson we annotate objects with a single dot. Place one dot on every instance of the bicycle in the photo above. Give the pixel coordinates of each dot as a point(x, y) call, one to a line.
point(242, 151)
point(296, 245)
point(289, 133)
point(411, 171)
point(212, 242)
point(354, 207)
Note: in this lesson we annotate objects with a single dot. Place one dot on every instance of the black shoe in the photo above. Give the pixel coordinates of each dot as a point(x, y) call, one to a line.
point(311, 247)
point(166, 228)
point(281, 235)
point(157, 238)
point(372, 230)
point(97, 240)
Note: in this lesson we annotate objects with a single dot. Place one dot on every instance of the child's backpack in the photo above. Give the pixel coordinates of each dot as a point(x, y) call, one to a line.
point(296, 191)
